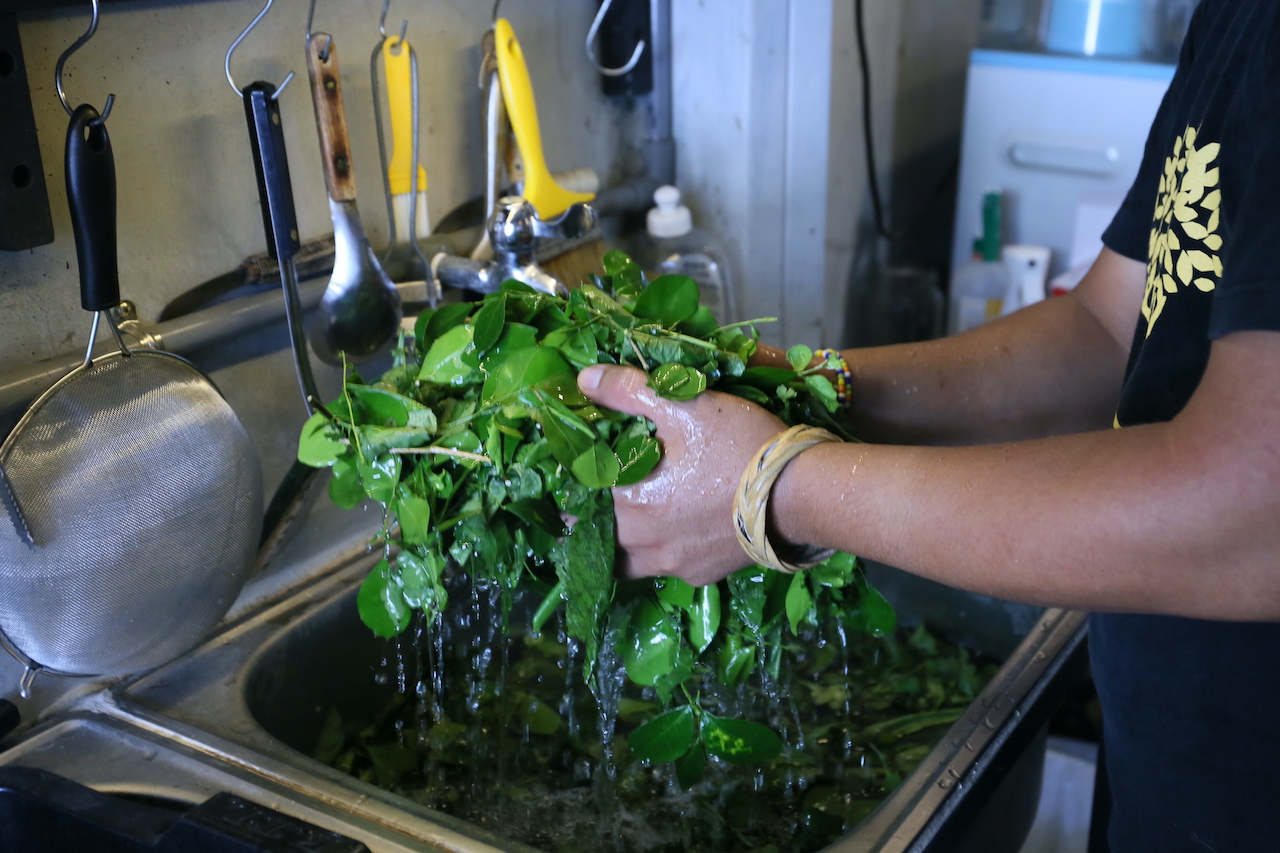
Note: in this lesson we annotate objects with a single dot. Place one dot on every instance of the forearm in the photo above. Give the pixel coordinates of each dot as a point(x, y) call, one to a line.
point(1180, 518)
point(1053, 368)
point(1047, 370)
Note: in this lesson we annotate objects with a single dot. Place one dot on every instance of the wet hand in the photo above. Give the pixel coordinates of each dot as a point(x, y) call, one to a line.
point(679, 521)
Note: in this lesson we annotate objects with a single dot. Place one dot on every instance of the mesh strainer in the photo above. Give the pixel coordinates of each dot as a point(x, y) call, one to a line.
point(139, 487)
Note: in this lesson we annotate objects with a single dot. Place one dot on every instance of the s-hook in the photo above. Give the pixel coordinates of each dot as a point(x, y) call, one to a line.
point(382, 24)
point(324, 53)
point(62, 60)
point(591, 46)
point(226, 64)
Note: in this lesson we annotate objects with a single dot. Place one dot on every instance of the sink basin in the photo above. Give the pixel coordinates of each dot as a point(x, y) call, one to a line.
point(257, 695)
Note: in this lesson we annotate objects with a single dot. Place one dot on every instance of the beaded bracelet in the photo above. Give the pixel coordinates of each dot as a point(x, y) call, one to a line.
point(844, 378)
point(750, 504)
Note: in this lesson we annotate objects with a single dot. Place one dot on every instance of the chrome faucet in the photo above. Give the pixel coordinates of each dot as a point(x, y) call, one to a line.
point(514, 232)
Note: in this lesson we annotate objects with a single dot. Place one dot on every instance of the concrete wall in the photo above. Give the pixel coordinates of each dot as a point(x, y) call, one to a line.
point(188, 204)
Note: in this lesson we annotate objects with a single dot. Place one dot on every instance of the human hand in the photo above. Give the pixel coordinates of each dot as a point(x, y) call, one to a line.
point(679, 521)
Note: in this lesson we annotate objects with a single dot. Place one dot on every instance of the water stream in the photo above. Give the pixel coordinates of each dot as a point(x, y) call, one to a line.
point(502, 731)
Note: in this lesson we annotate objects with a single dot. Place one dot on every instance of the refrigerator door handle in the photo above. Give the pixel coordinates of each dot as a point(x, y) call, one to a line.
point(1097, 159)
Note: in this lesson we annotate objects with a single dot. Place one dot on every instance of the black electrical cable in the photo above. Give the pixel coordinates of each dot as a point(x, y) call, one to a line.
point(877, 205)
point(873, 180)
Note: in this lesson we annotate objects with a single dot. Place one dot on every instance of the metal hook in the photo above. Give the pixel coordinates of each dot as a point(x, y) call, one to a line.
point(324, 54)
point(62, 60)
point(496, 4)
point(382, 24)
point(226, 64)
point(591, 48)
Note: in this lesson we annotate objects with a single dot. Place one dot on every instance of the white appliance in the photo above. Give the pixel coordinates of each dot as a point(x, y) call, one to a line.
point(1055, 133)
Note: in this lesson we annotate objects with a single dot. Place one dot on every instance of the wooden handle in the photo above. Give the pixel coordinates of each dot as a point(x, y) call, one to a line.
point(331, 118)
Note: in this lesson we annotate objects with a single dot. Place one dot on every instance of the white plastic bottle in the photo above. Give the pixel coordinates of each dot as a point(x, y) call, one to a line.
point(672, 245)
point(978, 288)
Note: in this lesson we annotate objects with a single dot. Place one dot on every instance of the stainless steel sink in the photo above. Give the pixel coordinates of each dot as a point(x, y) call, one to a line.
point(255, 697)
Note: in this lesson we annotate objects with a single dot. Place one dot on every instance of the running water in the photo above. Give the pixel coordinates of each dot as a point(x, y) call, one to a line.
point(503, 731)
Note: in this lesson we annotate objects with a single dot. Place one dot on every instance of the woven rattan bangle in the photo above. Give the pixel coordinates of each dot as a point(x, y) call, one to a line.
point(750, 505)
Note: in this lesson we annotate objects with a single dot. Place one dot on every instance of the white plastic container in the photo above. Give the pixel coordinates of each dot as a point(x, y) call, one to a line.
point(978, 287)
point(977, 295)
point(671, 245)
point(1028, 268)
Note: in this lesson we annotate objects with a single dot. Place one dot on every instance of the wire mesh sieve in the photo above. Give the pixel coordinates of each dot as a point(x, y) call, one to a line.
point(143, 495)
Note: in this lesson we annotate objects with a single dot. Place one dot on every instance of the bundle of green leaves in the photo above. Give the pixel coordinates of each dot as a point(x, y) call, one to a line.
point(478, 443)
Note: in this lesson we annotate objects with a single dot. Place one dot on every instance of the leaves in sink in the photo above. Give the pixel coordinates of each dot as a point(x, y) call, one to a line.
point(477, 441)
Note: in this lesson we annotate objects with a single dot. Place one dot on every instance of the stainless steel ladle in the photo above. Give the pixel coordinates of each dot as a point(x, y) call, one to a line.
point(360, 311)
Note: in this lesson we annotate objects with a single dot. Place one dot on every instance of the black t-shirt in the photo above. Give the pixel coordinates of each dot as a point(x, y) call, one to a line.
point(1191, 708)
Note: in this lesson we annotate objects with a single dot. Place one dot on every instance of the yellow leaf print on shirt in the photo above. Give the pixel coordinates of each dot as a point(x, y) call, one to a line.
point(1184, 244)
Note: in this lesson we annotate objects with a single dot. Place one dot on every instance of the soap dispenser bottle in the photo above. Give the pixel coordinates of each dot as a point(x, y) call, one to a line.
point(978, 288)
point(671, 244)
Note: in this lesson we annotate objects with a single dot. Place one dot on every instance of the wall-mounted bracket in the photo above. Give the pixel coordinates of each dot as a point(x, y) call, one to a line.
point(25, 220)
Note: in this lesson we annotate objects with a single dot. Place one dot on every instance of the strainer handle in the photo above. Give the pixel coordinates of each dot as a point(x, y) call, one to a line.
point(91, 194)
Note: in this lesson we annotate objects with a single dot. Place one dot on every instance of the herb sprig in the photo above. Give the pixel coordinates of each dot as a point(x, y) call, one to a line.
point(478, 443)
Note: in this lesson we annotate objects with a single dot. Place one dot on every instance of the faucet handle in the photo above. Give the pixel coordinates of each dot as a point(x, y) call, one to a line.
point(575, 222)
point(515, 226)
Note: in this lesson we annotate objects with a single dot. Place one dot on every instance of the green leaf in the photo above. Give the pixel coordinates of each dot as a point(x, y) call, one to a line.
point(567, 435)
point(701, 324)
point(674, 591)
point(704, 618)
point(345, 489)
point(375, 441)
point(382, 607)
point(637, 454)
point(900, 727)
point(666, 737)
point(462, 439)
point(414, 514)
point(821, 387)
point(651, 651)
point(531, 367)
point(319, 445)
point(668, 299)
point(584, 562)
point(799, 601)
point(678, 382)
point(615, 262)
point(380, 477)
point(691, 767)
point(515, 336)
point(835, 572)
point(489, 321)
point(767, 378)
point(538, 511)
point(736, 661)
point(420, 330)
point(872, 613)
point(451, 360)
point(597, 466)
point(799, 357)
point(739, 741)
point(513, 286)
point(538, 716)
point(332, 738)
point(380, 407)
point(448, 317)
point(422, 580)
